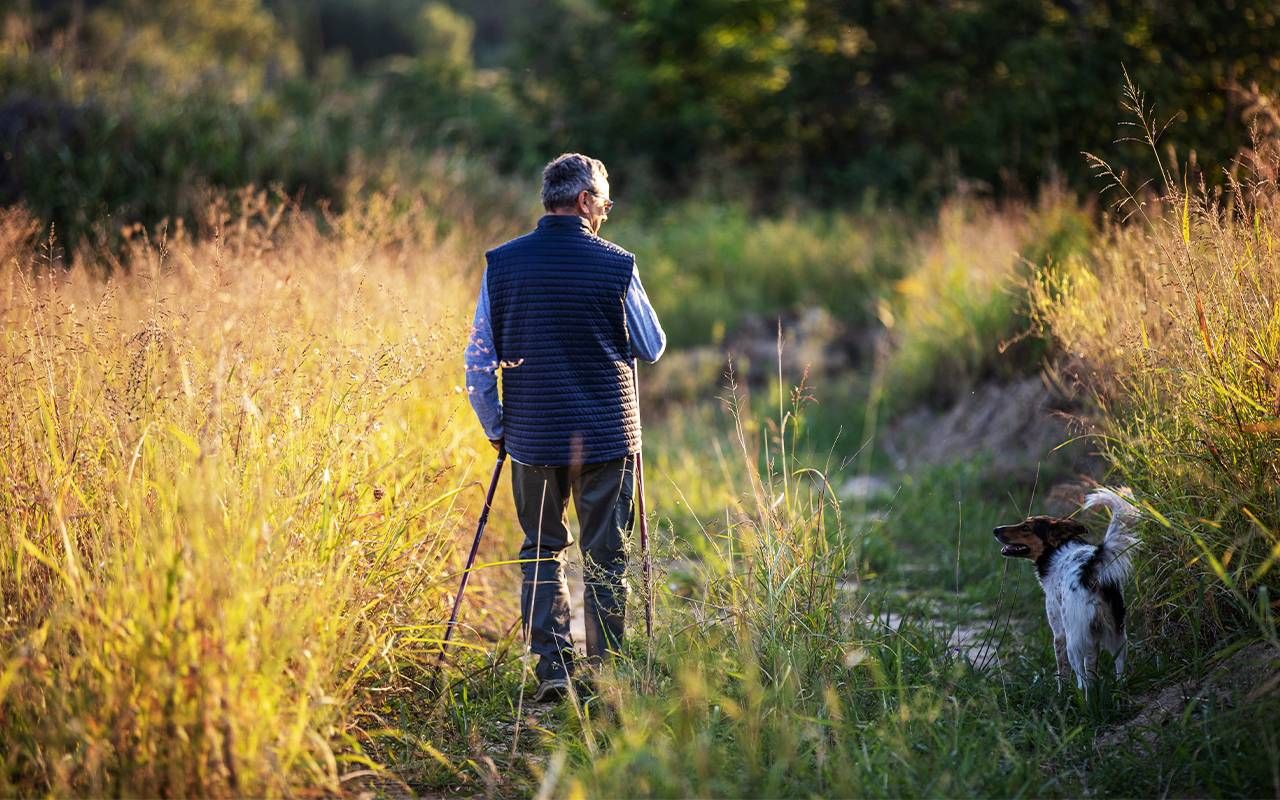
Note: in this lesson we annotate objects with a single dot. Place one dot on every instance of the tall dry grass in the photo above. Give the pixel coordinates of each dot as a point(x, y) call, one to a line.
point(233, 475)
point(1173, 320)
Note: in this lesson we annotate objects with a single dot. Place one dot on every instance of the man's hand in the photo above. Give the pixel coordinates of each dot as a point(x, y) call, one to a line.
point(497, 444)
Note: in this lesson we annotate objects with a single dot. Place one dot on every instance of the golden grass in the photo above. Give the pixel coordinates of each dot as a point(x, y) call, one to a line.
point(233, 477)
point(1174, 322)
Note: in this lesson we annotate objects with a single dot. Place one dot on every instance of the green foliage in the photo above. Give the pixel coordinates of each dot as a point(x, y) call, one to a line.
point(437, 98)
point(658, 84)
point(168, 44)
point(208, 97)
point(763, 101)
point(960, 315)
point(911, 99)
point(362, 32)
point(172, 99)
point(79, 166)
point(707, 266)
point(445, 36)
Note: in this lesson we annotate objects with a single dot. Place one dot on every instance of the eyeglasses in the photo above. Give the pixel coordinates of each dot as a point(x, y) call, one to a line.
point(608, 204)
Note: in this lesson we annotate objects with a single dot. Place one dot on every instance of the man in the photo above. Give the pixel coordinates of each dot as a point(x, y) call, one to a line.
point(562, 313)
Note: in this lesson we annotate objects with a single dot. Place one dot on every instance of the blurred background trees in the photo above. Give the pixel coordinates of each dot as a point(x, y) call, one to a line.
point(129, 109)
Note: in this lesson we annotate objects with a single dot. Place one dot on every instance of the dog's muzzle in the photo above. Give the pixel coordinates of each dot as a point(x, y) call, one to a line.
point(1010, 549)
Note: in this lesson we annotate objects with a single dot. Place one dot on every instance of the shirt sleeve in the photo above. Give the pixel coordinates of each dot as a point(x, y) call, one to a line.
point(481, 359)
point(647, 338)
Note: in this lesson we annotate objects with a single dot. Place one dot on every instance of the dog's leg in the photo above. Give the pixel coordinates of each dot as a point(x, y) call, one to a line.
point(1121, 653)
point(1091, 662)
point(1060, 653)
point(1056, 624)
point(1076, 655)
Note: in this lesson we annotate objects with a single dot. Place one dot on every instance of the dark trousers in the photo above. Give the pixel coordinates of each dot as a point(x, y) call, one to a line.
point(602, 495)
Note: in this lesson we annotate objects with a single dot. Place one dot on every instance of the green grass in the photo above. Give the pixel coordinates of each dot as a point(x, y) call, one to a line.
point(773, 673)
point(863, 709)
point(710, 266)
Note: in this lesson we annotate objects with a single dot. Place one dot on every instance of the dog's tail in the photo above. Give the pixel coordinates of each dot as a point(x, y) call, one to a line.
point(1114, 560)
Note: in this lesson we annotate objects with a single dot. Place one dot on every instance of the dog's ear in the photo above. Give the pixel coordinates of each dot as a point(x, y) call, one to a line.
point(1061, 531)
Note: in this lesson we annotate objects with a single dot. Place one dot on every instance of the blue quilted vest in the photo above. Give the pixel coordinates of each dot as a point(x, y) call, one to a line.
point(556, 302)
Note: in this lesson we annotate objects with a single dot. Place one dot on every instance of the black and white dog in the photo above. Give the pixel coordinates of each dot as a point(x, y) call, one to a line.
point(1082, 582)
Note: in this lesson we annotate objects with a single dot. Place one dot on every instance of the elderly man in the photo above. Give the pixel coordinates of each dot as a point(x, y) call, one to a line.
point(562, 314)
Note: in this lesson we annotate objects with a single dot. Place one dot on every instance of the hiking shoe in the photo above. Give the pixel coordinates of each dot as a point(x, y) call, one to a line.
point(551, 690)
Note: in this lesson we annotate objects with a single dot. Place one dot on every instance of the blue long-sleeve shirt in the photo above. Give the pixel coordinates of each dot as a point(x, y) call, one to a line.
point(647, 342)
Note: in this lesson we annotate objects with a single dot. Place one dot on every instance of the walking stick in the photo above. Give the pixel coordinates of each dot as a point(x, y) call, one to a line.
point(471, 559)
point(646, 562)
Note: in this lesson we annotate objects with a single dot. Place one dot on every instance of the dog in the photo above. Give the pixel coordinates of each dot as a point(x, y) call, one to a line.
point(1082, 582)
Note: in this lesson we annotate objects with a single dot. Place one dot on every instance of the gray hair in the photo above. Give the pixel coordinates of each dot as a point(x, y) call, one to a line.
point(568, 176)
